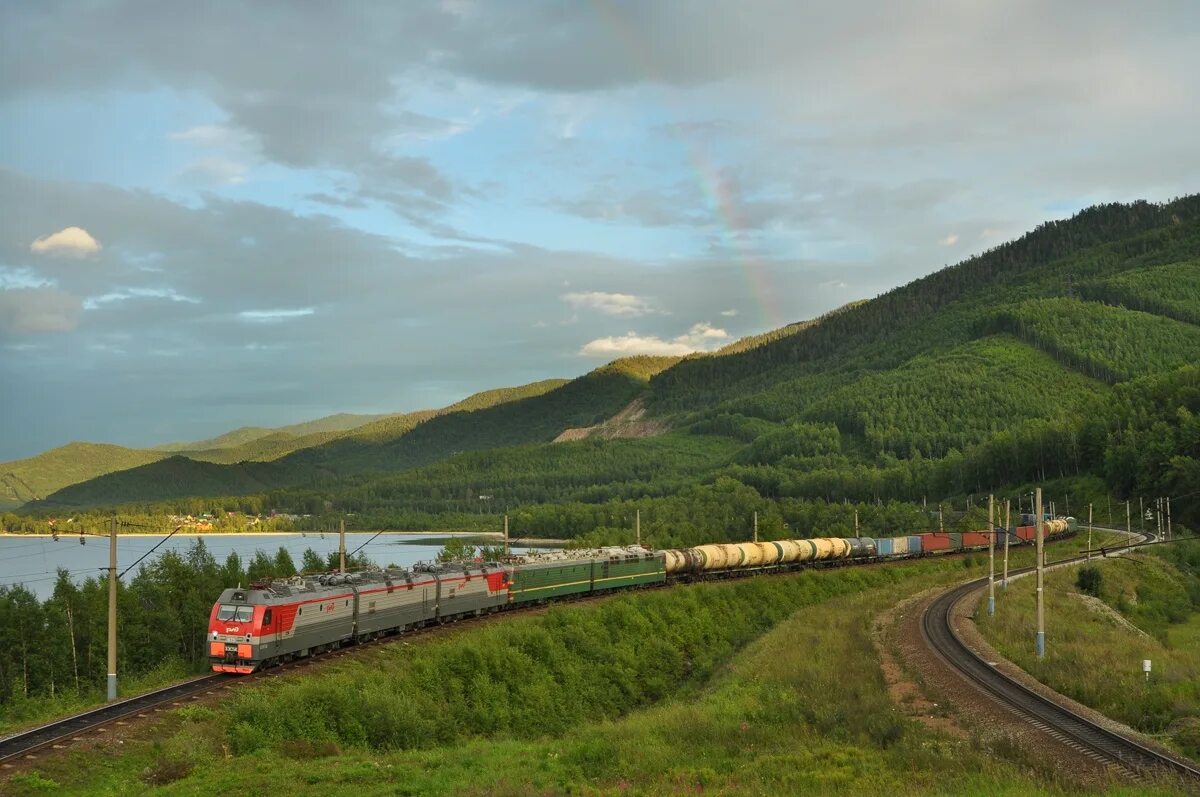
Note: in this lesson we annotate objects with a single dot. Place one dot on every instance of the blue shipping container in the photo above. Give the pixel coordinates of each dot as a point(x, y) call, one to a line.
point(884, 546)
point(914, 544)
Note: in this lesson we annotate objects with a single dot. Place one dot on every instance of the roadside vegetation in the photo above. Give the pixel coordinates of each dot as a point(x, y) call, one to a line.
point(1103, 620)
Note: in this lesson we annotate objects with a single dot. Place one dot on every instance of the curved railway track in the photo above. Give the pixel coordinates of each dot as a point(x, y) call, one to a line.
point(1081, 733)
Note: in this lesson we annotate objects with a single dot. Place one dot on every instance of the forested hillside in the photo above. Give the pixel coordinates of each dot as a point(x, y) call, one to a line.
point(1069, 354)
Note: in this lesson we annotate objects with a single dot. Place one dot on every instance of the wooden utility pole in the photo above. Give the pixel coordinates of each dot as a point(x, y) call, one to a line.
point(1158, 517)
point(941, 525)
point(1007, 531)
point(112, 609)
point(1169, 535)
point(1128, 522)
point(1041, 605)
point(506, 534)
point(342, 546)
point(756, 524)
point(991, 555)
point(637, 526)
point(1142, 514)
point(855, 522)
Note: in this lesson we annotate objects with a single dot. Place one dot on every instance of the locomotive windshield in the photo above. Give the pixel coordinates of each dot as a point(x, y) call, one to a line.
point(228, 612)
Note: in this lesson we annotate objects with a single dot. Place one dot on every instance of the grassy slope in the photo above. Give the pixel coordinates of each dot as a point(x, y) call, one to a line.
point(1097, 661)
point(718, 689)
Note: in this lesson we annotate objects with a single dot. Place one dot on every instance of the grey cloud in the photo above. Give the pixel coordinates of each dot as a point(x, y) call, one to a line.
point(37, 310)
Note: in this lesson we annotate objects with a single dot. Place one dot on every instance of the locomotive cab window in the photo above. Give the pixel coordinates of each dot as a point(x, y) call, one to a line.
point(266, 618)
point(245, 614)
point(226, 612)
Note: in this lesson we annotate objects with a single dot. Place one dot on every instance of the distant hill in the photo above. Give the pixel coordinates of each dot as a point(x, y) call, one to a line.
point(30, 479)
point(35, 478)
point(341, 422)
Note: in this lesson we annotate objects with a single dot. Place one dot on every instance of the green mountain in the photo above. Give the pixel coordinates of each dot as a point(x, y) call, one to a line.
point(184, 464)
point(31, 479)
point(341, 422)
point(1067, 354)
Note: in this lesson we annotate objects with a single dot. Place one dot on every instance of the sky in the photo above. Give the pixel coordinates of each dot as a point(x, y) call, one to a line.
point(224, 214)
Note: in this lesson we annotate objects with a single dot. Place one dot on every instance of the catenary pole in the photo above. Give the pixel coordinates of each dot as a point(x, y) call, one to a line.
point(756, 525)
point(1041, 606)
point(1169, 534)
point(1007, 532)
point(342, 546)
point(1089, 553)
point(112, 609)
point(991, 555)
point(637, 526)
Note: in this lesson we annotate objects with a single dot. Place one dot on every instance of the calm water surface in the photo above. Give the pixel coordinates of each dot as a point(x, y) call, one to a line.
point(32, 561)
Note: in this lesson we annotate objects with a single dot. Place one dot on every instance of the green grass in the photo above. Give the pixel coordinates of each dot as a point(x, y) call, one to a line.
point(768, 686)
point(1095, 659)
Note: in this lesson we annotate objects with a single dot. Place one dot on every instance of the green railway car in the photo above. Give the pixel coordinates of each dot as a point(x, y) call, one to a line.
point(628, 568)
point(576, 572)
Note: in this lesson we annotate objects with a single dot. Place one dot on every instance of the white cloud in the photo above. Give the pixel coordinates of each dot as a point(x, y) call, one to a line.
point(699, 338)
point(837, 285)
point(12, 279)
point(210, 136)
point(730, 313)
point(123, 294)
point(72, 241)
point(274, 316)
point(216, 170)
point(949, 240)
point(618, 304)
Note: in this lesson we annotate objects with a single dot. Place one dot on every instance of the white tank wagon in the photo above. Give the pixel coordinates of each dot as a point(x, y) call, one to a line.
point(750, 555)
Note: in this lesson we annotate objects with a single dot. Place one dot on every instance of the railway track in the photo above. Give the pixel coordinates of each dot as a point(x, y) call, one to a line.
point(1091, 739)
point(25, 744)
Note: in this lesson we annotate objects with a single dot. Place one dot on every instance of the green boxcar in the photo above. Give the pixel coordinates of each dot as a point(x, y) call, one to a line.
point(956, 540)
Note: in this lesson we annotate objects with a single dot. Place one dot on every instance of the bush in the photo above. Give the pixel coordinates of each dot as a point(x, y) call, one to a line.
point(1090, 581)
point(166, 770)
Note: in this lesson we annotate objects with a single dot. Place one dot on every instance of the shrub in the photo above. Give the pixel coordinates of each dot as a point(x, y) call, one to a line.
point(31, 783)
point(1090, 580)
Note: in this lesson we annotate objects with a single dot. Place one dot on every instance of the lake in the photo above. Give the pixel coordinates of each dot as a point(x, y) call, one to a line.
point(32, 561)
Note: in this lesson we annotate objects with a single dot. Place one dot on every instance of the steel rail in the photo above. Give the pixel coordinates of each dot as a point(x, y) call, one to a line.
point(25, 743)
point(1094, 740)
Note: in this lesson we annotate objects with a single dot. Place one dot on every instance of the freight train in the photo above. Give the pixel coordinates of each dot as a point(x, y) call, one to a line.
point(275, 621)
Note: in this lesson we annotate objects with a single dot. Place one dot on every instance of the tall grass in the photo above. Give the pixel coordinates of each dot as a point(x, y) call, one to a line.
point(534, 676)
